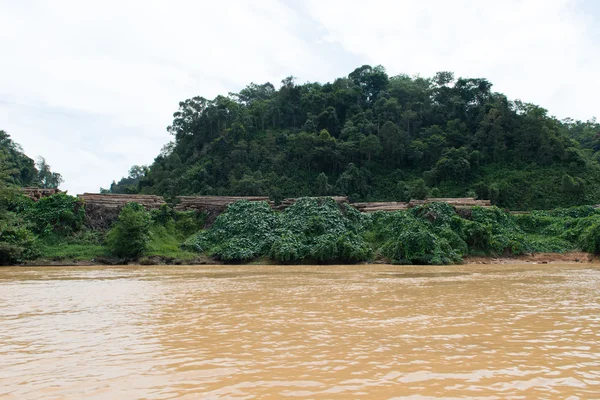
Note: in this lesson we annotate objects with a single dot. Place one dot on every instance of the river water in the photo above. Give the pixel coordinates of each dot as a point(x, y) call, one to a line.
point(365, 331)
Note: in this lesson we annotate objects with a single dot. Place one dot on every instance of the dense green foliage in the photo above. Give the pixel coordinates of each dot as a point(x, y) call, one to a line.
point(243, 232)
point(23, 170)
point(60, 214)
point(20, 218)
point(130, 234)
point(318, 230)
point(424, 235)
point(17, 242)
point(312, 230)
point(376, 137)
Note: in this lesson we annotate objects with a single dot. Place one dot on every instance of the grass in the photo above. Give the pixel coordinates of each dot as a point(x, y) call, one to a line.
point(165, 243)
point(75, 251)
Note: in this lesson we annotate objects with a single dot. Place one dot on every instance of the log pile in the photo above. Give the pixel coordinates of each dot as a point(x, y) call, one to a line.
point(35, 193)
point(459, 202)
point(289, 202)
point(380, 206)
point(101, 210)
point(213, 203)
point(149, 202)
point(466, 202)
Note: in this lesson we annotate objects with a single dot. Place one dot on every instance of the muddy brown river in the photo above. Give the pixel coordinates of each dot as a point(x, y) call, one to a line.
point(244, 332)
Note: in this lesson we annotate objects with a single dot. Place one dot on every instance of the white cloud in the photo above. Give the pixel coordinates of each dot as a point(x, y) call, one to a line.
point(92, 85)
point(538, 50)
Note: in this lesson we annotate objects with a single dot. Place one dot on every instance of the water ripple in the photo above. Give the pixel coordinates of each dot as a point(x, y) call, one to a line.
point(480, 332)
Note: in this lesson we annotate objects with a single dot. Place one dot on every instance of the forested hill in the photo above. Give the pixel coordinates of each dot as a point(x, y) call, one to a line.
point(375, 137)
point(17, 169)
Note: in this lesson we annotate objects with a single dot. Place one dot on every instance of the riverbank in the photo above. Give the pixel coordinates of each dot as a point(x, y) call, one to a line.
point(311, 231)
point(575, 257)
point(537, 258)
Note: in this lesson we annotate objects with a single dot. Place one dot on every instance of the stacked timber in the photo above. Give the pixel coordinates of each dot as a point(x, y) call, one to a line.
point(289, 202)
point(102, 210)
point(466, 202)
point(35, 193)
point(213, 203)
point(380, 206)
point(460, 201)
point(149, 202)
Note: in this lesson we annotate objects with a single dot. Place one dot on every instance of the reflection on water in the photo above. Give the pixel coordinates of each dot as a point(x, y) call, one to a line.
point(483, 332)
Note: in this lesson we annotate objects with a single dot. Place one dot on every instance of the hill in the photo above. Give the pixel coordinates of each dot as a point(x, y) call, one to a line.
point(374, 138)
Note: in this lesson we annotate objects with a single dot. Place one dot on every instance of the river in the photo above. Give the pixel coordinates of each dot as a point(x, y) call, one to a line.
point(364, 331)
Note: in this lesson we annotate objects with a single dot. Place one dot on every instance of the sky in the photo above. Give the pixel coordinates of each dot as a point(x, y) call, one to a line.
point(92, 85)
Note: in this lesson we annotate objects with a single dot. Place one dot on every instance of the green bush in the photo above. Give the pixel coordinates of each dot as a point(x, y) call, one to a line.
point(589, 239)
point(17, 243)
point(317, 229)
point(130, 233)
point(60, 214)
point(188, 222)
point(409, 237)
point(245, 230)
point(313, 229)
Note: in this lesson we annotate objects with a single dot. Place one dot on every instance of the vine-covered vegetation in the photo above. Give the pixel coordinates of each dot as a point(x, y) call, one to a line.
point(376, 137)
point(312, 230)
point(317, 230)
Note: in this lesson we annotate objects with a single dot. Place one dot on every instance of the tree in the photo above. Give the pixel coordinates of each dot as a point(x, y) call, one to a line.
point(394, 143)
point(130, 234)
point(371, 80)
point(418, 190)
point(370, 145)
point(323, 187)
point(22, 168)
point(47, 178)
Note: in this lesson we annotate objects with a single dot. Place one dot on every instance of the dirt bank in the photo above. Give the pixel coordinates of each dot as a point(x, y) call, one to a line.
point(538, 258)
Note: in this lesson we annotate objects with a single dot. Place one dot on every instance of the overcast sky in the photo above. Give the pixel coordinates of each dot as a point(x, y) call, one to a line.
point(92, 85)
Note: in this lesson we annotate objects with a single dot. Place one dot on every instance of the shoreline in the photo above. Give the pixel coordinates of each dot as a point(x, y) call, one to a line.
point(575, 257)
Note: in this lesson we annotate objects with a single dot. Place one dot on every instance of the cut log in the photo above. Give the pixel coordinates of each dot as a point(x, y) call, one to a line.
point(35, 193)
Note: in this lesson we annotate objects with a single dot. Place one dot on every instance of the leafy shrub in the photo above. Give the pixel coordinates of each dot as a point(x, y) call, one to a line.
point(549, 244)
point(198, 242)
point(310, 230)
point(17, 243)
point(182, 223)
point(408, 239)
point(60, 214)
point(573, 212)
point(288, 247)
point(242, 232)
point(188, 222)
point(130, 233)
point(317, 229)
point(163, 215)
point(17, 202)
point(589, 239)
point(503, 233)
